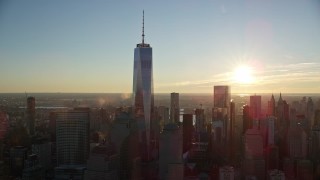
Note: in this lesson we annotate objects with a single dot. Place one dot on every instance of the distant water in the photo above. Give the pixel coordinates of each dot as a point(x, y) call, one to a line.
point(187, 100)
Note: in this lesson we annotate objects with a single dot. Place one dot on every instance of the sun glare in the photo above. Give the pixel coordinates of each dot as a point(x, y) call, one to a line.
point(243, 75)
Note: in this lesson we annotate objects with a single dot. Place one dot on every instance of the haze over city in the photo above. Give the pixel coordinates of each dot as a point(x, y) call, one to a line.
point(255, 46)
point(157, 90)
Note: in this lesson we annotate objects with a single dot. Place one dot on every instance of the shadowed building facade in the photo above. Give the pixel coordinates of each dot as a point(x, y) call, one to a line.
point(72, 133)
point(72, 138)
point(175, 108)
point(221, 108)
point(255, 109)
point(31, 114)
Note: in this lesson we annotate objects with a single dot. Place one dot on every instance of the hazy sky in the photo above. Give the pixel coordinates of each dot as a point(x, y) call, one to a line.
point(87, 46)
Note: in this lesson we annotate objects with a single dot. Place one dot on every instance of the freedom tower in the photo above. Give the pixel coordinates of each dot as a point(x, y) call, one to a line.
point(143, 98)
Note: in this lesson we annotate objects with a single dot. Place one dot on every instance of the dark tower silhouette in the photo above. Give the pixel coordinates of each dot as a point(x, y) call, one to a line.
point(272, 106)
point(31, 114)
point(247, 121)
point(231, 148)
point(187, 131)
point(174, 108)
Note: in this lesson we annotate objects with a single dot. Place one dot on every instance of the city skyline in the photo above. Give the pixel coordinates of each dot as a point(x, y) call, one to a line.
point(253, 46)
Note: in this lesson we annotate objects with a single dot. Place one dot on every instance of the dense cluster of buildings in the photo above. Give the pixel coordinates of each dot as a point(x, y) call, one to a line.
point(226, 141)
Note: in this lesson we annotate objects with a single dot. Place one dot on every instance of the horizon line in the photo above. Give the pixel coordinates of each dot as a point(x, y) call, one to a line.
point(154, 93)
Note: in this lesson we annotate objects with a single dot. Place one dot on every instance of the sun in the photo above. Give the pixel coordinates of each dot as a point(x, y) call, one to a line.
point(243, 75)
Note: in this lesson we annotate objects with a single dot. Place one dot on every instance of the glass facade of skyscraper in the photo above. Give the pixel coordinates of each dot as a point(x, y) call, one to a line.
point(143, 98)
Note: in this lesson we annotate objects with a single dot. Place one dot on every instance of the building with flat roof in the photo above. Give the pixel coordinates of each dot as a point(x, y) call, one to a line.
point(72, 136)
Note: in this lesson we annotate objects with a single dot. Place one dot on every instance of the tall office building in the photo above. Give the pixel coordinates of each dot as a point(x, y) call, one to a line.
point(143, 98)
point(255, 108)
point(254, 162)
point(316, 117)
point(221, 108)
point(282, 114)
point(272, 106)
point(247, 121)
point(310, 113)
point(254, 169)
point(18, 155)
point(72, 136)
point(315, 144)
point(43, 150)
point(304, 169)
point(170, 159)
point(221, 96)
point(231, 148)
point(163, 113)
point(200, 121)
point(31, 114)
point(282, 126)
point(187, 132)
point(272, 157)
point(174, 108)
point(4, 125)
point(296, 142)
point(102, 163)
point(270, 132)
point(271, 150)
point(253, 141)
point(289, 168)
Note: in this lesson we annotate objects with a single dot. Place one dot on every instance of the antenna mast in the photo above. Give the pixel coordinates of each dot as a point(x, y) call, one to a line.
point(143, 27)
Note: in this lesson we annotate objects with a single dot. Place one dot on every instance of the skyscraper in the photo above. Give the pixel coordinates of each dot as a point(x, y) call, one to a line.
point(187, 132)
point(270, 122)
point(221, 108)
point(316, 117)
point(31, 114)
point(221, 96)
point(200, 121)
point(231, 146)
point(163, 115)
point(72, 131)
point(174, 108)
point(255, 107)
point(143, 98)
point(253, 141)
point(4, 125)
point(272, 107)
point(280, 113)
point(170, 151)
point(247, 121)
